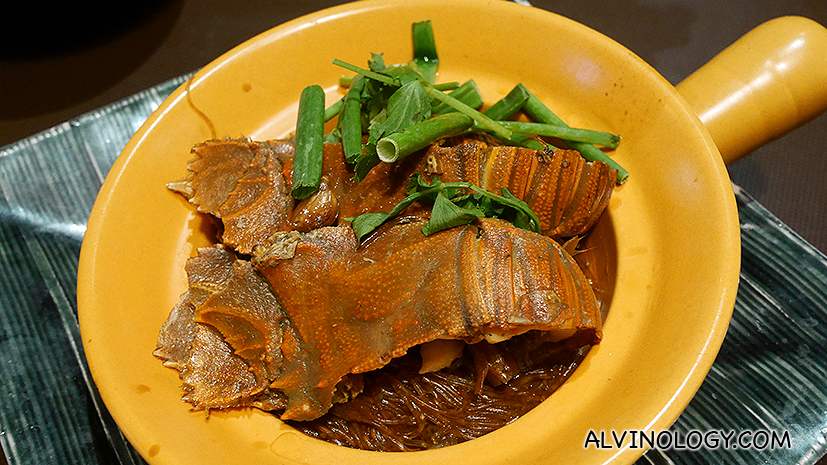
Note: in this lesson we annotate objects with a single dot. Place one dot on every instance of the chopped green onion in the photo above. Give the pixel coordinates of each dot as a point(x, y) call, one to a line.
point(540, 112)
point(395, 131)
point(346, 81)
point(508, 105)
point(418, 136)
point(443, 86)
point(424, 49)
point(333, 110)
point(478, 117)
point(520, 140)
point(307, 160)
point(468, 93)
point(565, 133)
point(351, 121)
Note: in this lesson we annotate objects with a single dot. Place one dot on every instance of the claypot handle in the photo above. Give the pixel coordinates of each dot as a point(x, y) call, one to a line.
point(767, 83)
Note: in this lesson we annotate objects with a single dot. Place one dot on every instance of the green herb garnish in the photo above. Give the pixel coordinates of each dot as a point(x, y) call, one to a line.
point(424, 50)
point(565, 133)
point(350, 121)
point(455, 204)
point(399, 145)
point(467, 93)
point(392, 111)
point(508, 105)
point(540, 112)
point(483, 121)
point(307, 160)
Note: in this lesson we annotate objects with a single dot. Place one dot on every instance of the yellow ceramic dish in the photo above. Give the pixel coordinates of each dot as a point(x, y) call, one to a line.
point(674, 227)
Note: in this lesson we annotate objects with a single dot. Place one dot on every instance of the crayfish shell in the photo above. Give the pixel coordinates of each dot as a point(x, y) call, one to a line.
point(242, 183)
point(303, 324)
point(567, 193)
point(247, 184)
point(286, 312)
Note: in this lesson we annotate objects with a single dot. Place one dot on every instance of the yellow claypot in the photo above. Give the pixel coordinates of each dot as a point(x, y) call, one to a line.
point(673, 225)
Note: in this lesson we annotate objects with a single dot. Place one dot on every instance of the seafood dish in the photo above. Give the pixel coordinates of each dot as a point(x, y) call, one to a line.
point(452, 315)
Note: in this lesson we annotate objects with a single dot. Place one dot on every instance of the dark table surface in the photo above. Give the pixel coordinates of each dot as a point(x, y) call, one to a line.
point(58, 62)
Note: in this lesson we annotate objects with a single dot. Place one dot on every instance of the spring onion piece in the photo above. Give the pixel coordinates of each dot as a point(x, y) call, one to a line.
point(424, 50)
point(395, 103)
point(443, 86)
point(408, 105)
point(508, 105)
point(307, 160)
point(479, 118)
point(467, 93)
point(418, 136)
point(566, 133)
point(351, 121)
point(333, 110)
point(540, 112)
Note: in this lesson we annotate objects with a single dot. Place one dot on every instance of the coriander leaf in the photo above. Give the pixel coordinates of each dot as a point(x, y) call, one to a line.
point(376, 128)
point(446, 214)
point(452, 192)
point(404, 74)
point(417, 184)
point(364, 163)
point(521, 220)
point(492, 208)
point(521, 217)
point(476, 203)
point(508, 195)
point(375, 98)
point(365, 223)
point(407, 106)
point(376, 63)
point(452, 209)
